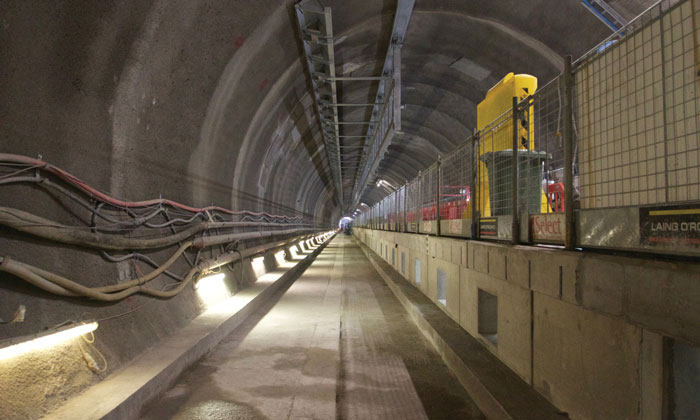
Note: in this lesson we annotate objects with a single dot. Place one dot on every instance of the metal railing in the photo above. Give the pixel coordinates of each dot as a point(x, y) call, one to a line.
point(428, 200)
point(401, 209)
point(412, 205)
point(609, 149)
point(456, 176)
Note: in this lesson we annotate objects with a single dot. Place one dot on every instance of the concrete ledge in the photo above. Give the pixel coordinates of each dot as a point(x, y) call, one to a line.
point(123, 394)
point(498, 391)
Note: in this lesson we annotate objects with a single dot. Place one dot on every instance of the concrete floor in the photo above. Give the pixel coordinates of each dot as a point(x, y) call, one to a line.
point(335, 344)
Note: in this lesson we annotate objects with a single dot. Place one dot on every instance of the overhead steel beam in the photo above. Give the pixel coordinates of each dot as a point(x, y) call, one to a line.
point(605, 13)
point(387, 110)
point(316, 31)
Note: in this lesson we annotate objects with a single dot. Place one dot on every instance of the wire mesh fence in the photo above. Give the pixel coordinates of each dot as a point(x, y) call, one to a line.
point(386, 210)
point(681, 85)
point(428, 194)
point(635, 138)
point(542, 173)
point(401, 209)
point(391, 211)
point(494, 183)
point(456, 175)
point(412, 205)
point(637, 104)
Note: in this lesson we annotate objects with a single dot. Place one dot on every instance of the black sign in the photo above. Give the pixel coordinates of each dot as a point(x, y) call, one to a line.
point(488, 227)
point(678, 225)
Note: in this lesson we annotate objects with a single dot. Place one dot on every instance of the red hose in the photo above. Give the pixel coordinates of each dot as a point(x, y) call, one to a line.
point(25, 160)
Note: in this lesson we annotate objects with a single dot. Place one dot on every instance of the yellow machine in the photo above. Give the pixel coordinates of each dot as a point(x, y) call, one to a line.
point(495, 125)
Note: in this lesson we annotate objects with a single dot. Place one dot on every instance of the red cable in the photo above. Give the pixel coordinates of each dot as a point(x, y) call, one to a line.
point(12, 158)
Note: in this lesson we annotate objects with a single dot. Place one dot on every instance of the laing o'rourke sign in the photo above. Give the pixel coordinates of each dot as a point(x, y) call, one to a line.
point(670, 225)
point(548, 227)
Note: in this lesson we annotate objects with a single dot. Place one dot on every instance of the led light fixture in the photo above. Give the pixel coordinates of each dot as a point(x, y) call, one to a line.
point(207, 281)
point(258, 265)
point(21, 345)
point(212, 289)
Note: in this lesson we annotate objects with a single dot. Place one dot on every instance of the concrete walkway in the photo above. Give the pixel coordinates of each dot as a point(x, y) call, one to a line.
point(335, 344)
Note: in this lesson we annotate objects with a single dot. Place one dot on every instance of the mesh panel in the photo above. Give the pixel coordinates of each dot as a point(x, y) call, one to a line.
point(391, 211)
point(400, 208)
point(637, 107)
point(385, 213)
point(636, 132)
point(542, 174)
point(428, 187)
point(455, 183)
point(412, 204)
point(494, 174)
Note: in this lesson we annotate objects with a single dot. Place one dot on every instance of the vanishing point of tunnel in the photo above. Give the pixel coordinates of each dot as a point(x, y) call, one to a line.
point(350, 209)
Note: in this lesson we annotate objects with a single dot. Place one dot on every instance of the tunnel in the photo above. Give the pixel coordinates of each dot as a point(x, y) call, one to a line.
point(359, 209)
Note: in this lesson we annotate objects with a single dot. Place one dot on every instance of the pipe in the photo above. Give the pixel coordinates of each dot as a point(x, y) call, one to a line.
point(19, 179)
point(207, 241)
point(159, 270)
point(10, 266)
point(60, 285)
point(140, 257)
point(25, 160)
point(47, 229)
point(138, 221)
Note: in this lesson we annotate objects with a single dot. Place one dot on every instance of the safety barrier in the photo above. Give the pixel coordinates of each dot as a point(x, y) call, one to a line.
point(605, 155)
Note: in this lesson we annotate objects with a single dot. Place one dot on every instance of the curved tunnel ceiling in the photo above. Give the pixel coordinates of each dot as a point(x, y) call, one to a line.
point(210, 101)
point(439, 101)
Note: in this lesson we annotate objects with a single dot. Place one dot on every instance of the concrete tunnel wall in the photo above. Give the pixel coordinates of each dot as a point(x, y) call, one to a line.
point(208, 102)
point(127, 96)
point(585, 330)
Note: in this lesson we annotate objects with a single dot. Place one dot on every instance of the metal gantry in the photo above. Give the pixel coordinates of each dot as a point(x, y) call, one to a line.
point(316, 31)
point(352, 171)
point(605, 13)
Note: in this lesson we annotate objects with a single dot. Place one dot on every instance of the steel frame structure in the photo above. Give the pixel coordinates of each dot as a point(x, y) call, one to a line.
point(348, 169)
point(316, 31)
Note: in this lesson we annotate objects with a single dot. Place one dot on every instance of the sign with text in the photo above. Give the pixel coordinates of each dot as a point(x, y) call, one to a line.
point(488, 227)
point(550, 227)
point(670, 225)
point(427, 226)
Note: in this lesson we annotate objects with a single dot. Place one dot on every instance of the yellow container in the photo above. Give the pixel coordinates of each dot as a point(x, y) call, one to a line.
point(495, 125)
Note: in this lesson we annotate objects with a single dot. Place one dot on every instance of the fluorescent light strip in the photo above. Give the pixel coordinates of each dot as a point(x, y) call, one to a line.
point(30, 343)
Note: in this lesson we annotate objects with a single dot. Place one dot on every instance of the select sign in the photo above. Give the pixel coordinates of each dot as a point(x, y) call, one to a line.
point(548, 227)
point(670, 225)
